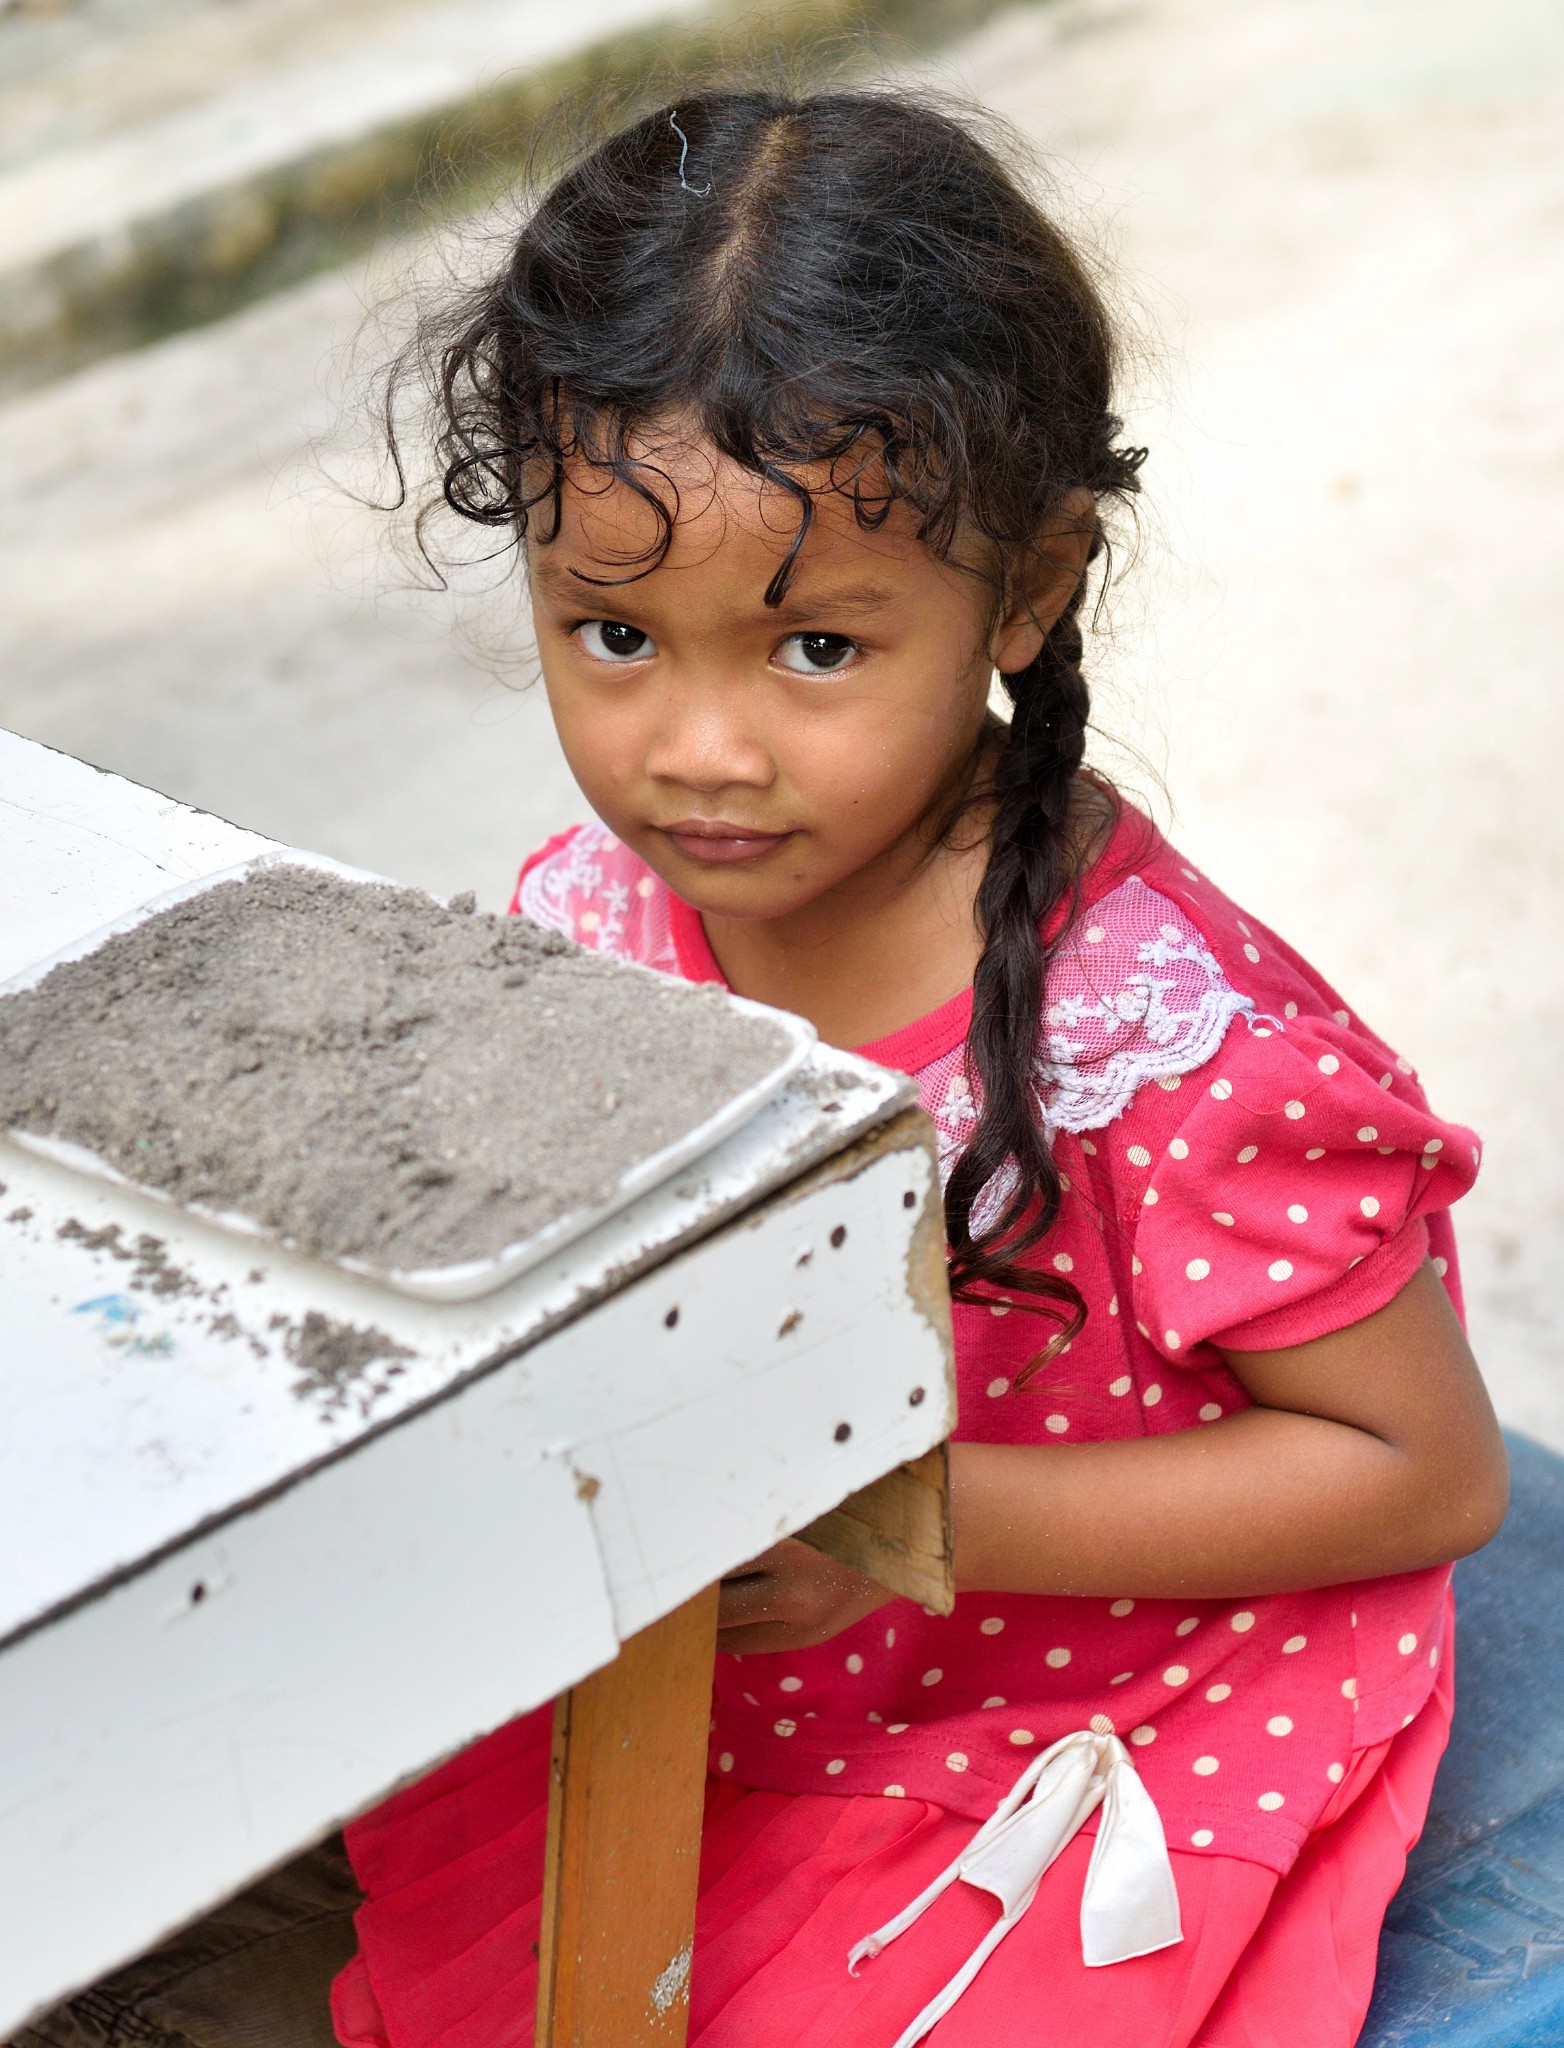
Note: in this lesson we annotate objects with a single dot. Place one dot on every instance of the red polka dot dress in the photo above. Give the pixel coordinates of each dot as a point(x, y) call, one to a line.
point(1245, 1164)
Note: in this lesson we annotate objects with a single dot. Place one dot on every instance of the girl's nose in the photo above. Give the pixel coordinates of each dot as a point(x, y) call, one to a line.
point(702, 743)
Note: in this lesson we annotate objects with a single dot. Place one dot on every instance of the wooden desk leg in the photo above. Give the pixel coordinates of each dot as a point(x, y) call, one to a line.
point(624, 1837)
point(898, 1531)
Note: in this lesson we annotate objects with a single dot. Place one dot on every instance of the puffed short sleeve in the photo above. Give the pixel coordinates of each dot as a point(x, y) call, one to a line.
point(1292, 1195)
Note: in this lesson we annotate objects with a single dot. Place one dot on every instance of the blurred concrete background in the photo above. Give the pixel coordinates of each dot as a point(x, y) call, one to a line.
point(1331, 664)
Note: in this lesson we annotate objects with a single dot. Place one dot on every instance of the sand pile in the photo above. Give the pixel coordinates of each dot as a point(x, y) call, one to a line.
point(365, 1072)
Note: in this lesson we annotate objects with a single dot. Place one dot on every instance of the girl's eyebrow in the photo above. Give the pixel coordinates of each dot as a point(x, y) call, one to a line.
point(851, 597)
point(572, 582)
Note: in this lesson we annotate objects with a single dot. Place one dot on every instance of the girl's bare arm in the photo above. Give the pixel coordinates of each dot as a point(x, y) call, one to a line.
point(1372, 1451)
point(1369, 1452)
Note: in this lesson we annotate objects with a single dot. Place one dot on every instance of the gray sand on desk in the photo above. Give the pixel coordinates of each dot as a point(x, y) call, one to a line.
point(365, 1072)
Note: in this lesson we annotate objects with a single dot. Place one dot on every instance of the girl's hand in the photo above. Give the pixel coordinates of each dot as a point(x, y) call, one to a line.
point(791, 1597)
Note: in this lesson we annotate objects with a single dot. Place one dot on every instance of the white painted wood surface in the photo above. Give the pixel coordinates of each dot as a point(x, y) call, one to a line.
point(237, 1605)
point(79, 847)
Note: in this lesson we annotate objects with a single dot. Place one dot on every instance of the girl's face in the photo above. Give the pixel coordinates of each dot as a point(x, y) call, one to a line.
point(759, 757)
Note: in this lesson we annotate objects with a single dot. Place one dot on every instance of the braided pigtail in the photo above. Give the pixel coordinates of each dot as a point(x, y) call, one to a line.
point(1003, 1195)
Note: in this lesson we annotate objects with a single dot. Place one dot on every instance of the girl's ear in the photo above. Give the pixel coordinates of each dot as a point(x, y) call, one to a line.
point(1049, 580)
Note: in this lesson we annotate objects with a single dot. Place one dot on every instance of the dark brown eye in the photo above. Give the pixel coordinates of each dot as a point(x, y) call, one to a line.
point(816, 654)
point(612, 640)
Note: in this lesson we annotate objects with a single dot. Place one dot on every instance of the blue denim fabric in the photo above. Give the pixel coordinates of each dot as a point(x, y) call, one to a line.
point(1472, 1954)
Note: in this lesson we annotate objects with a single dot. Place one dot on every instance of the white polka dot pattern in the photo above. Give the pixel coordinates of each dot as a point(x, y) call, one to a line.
point(1227, 1212)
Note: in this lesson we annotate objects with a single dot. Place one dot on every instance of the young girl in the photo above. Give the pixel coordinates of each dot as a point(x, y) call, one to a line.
point(801, 415)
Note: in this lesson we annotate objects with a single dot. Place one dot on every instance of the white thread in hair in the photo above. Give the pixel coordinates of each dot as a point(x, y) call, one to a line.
point(696, 191)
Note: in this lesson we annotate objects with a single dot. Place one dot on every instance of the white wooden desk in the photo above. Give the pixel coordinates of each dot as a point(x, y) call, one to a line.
point(239, 1603)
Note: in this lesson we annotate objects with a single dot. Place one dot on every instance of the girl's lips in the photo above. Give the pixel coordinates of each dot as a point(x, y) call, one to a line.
point(715, 842)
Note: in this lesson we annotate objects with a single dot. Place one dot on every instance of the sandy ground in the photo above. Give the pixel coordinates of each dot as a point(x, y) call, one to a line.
point(1340, 228)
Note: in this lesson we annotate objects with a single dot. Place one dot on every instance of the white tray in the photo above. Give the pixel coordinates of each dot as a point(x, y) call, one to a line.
point(475, 1277)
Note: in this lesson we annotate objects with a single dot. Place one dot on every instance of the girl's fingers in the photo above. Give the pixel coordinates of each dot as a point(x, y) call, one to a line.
point(770, 1587)
point(742, 1601)
point(757, 1639)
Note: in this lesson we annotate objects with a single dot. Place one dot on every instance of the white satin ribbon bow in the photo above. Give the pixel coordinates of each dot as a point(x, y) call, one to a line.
point(1130, 1904)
